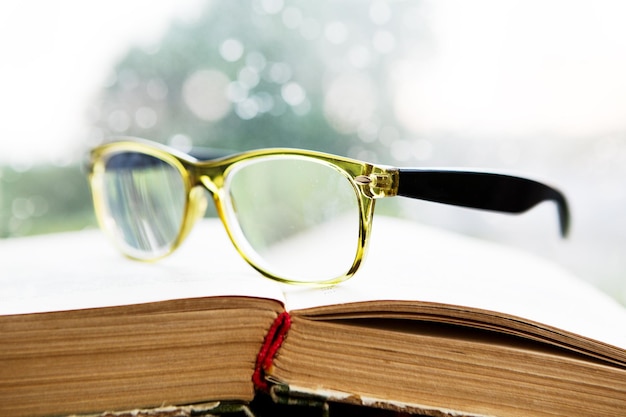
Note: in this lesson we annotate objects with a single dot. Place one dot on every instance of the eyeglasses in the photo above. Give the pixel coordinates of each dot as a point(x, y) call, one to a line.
point(297, 216)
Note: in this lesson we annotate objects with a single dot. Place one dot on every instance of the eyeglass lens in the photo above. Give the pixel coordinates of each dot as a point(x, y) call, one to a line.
point(144, 200)
point(298, 218)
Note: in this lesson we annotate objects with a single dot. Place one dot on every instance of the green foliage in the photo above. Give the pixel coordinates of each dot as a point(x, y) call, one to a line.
point(44, 199)
point(279, 50)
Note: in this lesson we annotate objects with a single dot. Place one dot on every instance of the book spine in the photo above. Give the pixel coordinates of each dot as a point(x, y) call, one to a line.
point(273, 341)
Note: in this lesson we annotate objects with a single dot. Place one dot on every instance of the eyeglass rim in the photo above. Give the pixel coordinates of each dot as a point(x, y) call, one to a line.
point(212, 174)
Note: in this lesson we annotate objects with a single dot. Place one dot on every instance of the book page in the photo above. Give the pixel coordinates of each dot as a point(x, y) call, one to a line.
point(83, 269)
point(408, 261)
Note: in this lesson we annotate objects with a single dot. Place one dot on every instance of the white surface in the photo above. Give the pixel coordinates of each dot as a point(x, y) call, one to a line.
point(82, 269)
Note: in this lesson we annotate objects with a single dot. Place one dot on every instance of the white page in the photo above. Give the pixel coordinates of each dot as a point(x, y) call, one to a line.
point(408, 261)
point(78, 270)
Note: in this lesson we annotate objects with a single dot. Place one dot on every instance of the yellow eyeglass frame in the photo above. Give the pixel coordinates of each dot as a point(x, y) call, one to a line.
point(368, 181)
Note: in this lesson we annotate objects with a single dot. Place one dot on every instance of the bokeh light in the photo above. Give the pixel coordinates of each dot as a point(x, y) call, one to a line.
point(204, 92)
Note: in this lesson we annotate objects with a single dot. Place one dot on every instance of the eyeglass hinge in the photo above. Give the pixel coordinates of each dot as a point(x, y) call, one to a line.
point(380, 183)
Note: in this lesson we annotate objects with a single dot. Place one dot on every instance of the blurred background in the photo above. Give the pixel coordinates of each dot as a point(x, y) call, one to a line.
point(530, 87)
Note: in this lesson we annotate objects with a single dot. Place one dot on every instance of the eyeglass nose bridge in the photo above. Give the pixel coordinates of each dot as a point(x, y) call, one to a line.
point(212, 180)
point(201, 182)
point(209, 178)
point(209, 181)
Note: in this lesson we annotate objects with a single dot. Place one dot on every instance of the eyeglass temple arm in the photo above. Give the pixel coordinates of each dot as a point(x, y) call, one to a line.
point(479, 190)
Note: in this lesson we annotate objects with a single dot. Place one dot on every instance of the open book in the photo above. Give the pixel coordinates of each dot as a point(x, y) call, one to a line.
point(433, 323)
